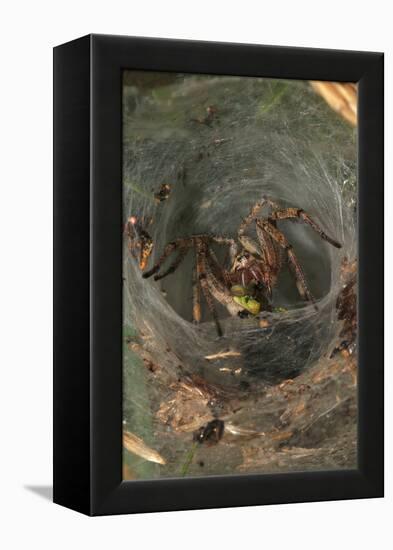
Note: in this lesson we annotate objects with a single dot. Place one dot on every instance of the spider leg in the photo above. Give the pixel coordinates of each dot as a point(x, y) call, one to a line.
point(254, 213)
point(171, 247)
point(266, 247)
point(271, 258)
point(271, 203)
point(202, 279)
point(231, 242)
point(297, 214)
point(196, 298)
point(174, 265)
point(218, 284)
point(251, 216)
point(301, 283)
point(294, 264)
point(215, 270)
point(247, 242)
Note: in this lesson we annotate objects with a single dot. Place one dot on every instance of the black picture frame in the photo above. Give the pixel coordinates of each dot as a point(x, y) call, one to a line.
point(88, 274)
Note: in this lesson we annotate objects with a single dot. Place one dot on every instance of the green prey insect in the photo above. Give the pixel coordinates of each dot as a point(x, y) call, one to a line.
point(243, 296)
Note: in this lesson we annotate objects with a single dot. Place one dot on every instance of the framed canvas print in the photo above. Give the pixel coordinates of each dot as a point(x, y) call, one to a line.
point(218, 275)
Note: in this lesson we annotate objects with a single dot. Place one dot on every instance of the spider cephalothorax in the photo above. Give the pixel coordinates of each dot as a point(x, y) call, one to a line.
point(248, 270)
point(253, 273)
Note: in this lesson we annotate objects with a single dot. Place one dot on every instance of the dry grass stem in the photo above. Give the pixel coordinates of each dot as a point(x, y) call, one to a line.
point(137, 446)
point(341, 96)
point(222, 355)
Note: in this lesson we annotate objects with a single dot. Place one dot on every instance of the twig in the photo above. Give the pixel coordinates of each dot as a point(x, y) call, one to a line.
point(137, 446)
point(342, 98)
point(222, 355)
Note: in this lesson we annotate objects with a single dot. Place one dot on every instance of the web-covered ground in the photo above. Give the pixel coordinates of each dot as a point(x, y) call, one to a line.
point(286, 394)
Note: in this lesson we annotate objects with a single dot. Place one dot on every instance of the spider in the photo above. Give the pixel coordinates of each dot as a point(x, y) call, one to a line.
point(249, 282)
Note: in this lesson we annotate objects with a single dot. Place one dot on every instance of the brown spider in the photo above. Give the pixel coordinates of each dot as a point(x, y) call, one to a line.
point(255, 269)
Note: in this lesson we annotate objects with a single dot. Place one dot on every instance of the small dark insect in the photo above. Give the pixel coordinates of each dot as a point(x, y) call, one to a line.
point(211, 433)
point(163, 193)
